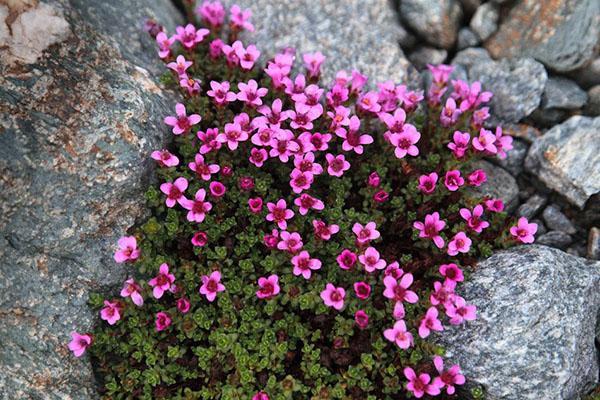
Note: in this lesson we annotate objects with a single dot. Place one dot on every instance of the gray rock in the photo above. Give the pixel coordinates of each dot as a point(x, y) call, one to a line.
point(593, 245)
point(424, 55)
point(593, 106)
point(541, 227)
point(500, 184)
point(517, 85)
point(563, 93)
point(485, 20)
point(532, 206)
point(406, 39)
point(522, 131)
point(360, 34)
point(77, 128)
point(471, 56)
point(557, 239)
point(470, 6)
point(515, 157)
point(588, 75)
point(548, 118)
point(435, 21)
point(567, 158)
point(556, 220)
point(576, 250)
point(562, 34)
point(534, 336)
point(466, 38)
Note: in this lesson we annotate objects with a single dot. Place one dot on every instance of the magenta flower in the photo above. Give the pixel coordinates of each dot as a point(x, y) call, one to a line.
point(180, 65)
point(189, 36)
point(300, 181)
point(191, 85)
point(443, 293)
point(427, 183)
point(324, 231)
point(165, 158)
point(458, 311)
point(272, 115)
point(233, 135)
point(197, 208)
point(453, 180)
point(79, 343)
point(460, 243)
point(317, 141)
point(494, 205)
point(258, 156)
point(399, 335)
point(405, 141)
point(452, 272)
point(268, 287)
point(346, 259)
point(211, 12)
point(368, 102)
point(174, 191)
point(246, 183)
point(430, 322)
point(183, 305)
point(271, 239)
point(304, 264)
point(128, 250)
point(132, 289)
point(111, 312)
point(524, 231)
point(339, 117)
point(283, 145)
point(279, 213)
point(450, 113)
point(162, 322)
point(364, 234)
point(449, 378)
point(162, 282)
point(371, 260)
point(250, 93)
point(336, 165)
point(202, 169)
point(260, 396)
point(431, 228)
point(303, 116)
point(398, 313)
point(247, 56)
point(313, 62)
point(460, 143)
point(211, 285)
point(477, 177)
point(306, 163)
point(239, 19)
point(290, 242)
point(381, 196)
point(440, 73)
point(419, 385)
point(473, 218)
point(503, 143)
point(306, 202)
point(398, 290)
point(200, 239)
point(395, 122)
point(362, 290)
point(217, 189)
point(164, 43)
point(374, 180)
point(182, 122)
point(209, 140)
point(220, 93)
point(255, 204)
point(353, 140)
point(215, 49)
point(333, 296)
point(361, 318)
point(485, 142)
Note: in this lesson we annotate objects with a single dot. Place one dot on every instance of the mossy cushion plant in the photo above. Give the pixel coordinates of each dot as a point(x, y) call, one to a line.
point(304, 243)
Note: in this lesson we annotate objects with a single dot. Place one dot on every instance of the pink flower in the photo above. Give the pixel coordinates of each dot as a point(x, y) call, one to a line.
point(458, 311)
point(303, 116)
point(473, 218)
point(323, 231)
point(443, 293)
point(440, 73)
point(430, 322)
point(258, 156)
point(290, 242)
point(211, 12)
point(494, 205)
point(162, 282)
point(255, 204)
point(300, 181)
point(220, 93)
point(368, 102)
point(217, 189)
point(306, 163)
point(279, 213)
point(268, 287)
point(448, 378)
point(247, 56)
point(460, 143)
point(364, 234)
point(215, 49)
point(503, 143)
point(304, 265)
point(431, 228)
point(202, 169)
point(411, 99)
point(180, 65)
point(271, 239)
point(312, 62)
point(419, 385)
point(427, 183)
point(199, 239)
point(362, 290)
point(209, 140)
point(333, 296)
point(358, 81)
point(398, 290)
point(162, 322)
point(164, 44)
point(394, 123)
point(371, 260)
point(524, 231)
point(165, 158)
point(198, 208)
point(79, 343)
point(260, 396)
point(306, 202)
point(453, 180)
point(189, 36)
point(319, 142)
point(191, 85)
point(460, 243)
point(174, 191)
point(211, 285)
point(405, 141)
point(246, 183)
point(450, 113)
point(399, 335)
point(353, 140)
point(128, 250)
point(272, 115)
point(182, 123)
point(240, 19)
point(132, 289)
point(485, 142)
point(336, 165)
point(346, 259)
point(250, 93)
point(183, 305)
point(398, 313)
point(452, 272)
point(233, 135)
point(283, 145)
point(381, 196)
point(361, 319)
point(111, 312)
point(477, 177)
point(374, 180)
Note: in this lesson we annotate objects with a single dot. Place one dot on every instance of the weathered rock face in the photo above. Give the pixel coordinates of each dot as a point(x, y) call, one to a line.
point(564, 94)
point(358, 34)
point(436, 21)
point(534, 336)
point(562, 34)
point(567, 158)
point(76, 128)
point(499, 184)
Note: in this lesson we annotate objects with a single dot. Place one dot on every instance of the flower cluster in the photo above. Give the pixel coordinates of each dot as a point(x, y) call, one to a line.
point(306, 240)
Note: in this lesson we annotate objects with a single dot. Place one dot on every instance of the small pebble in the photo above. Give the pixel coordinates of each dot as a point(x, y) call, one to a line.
point(593, 246)
point(556, 220)
point(557, 239)
point(532, 206)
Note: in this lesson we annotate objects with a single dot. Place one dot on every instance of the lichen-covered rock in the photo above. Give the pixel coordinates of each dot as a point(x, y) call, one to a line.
point(567, 158)
point(562, 34)
point(534, 335)
point(435, 21)
point(500, 184)
point(358, 34)
point(76, 129)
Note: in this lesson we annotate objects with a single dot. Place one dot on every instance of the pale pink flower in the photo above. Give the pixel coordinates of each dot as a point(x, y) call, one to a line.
point(79, 343)
point(296, 86)
point(430, 228)
point(191, 85)
point(303, 116)
point(250, 93)
point(460, 243)
point(174, 191)
point(211, 285)
point(368, 102)
point(215, 49)
point(202, 169)
point(217, 189)
point(440, 73)
point(399, 335)
point(460, 143)
point(268, 287)
point(209, 140)
point(450, 113)
point(358, 82)
point(180, 65)
point(398, 313)
point(300, 181)
point(443, 293)
point(128, 250)
point(182, 122)
point(312, 62)
point(324, 231)
point(347, 259)
point(453, 181)
point(247, 56)
point(165, 158)
point(290, 242)
point(304, 265)
point(319, 142)
point(420, 385)
point(503, 143)
point(333, 296)
point(339, 117)
point(211, 12)
point(486, 142)
point(452, 272)
point(164, 43)
point(189, 36)
point(353, 140)
point(430, 322)
point(197, 208)
point(405, 141)
point(306, 202)
point(397, 290)
point(371, 260)
point(233, 135)
point(240, 19)
point(449, 378)
point(427, 183)
point(524, 231)
point(336, 165)
point(279, 213)
point(362, 290)
point(162, 282)
point(111, 312)
point(459, 311)
point(411, 99)
point(132, 289)
point(220, 93)
point(364, 234)
point(337, 95)
point(283, 145)
point(473, 218)
point(395, 122)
